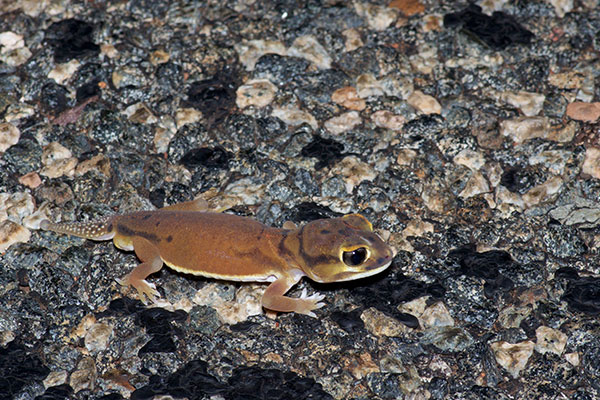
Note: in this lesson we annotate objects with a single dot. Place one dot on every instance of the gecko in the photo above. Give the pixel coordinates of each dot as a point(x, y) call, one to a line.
point(189, 239)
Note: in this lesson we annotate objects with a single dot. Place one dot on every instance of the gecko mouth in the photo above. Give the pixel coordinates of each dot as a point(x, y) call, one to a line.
point(350, 276)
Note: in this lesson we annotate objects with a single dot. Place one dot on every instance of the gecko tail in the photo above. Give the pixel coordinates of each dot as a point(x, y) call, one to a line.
point(100, 229)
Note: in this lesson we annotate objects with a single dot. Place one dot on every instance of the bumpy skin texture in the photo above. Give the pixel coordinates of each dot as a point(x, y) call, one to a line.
point(224, 246)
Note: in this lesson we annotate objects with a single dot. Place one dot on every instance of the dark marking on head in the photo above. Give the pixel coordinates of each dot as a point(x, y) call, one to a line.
point(170, 238)
point(147, 216)
point(313, 260)
point(380, 260)
point(109, 227)
point(325, 232)
point(157, 223)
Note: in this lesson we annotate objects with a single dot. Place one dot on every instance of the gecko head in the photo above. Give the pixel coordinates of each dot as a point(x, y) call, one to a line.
point(342, 249)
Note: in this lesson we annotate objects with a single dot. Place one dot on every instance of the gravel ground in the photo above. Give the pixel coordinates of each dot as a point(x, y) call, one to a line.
point(468, 135)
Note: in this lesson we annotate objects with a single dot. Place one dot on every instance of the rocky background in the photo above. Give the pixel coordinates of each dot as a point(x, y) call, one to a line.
point(467, 134)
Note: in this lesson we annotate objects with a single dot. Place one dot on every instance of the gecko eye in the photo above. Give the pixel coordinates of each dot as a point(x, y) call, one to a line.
point(355, 257)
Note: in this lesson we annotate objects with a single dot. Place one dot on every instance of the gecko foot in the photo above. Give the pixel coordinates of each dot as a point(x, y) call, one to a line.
point(310, 303)
point(146, 291)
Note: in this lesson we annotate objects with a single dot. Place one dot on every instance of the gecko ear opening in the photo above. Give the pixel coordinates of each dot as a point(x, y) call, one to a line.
point(358, 221)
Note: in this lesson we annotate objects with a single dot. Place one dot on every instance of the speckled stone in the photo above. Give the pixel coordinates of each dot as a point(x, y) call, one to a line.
point(550, 340)
point(513, 357)
point(580, 111)
point(11, 233)
point(9, 136)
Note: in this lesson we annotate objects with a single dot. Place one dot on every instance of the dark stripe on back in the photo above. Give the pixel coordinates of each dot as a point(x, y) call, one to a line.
point(125, 231)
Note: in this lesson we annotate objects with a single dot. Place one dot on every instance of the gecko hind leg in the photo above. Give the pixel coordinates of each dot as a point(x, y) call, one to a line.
point(151, 263)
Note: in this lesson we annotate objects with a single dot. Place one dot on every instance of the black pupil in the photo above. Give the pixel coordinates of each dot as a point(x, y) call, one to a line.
point(355, 257)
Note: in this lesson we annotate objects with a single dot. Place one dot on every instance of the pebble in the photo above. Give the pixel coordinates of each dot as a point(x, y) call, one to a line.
point(231, 306)
point(10, 41)
point(343, 122)
point(563, 134)
point(588, 88)
point(353, 171)
point(63, 72)
point(294, 116)
point(353, 40)
point(99, 163)
point(380, 324)
point(580, 111)
point(425, 60)
point(18, 111)
point(57, 161)
point(511, 316)
point(257, 92)
point(16, 206)
point(139, 113)
point(165, 131)
point(109, 51)
point(561, 7)
point(31, 180)
point(530, 104)
point(417, 228)
point(250, 51)
point(11, 233)
point(470, 159)
point(507, 201)
point(84, 377)
point(34, 220)
point(550, 340)
point(406, 157)
point(310, 49)
point(424, 103)
point(388, 120)
point(513, 357)
point(591, 165)
point(158, 57)
point(477, 184)
point(573, 358)
point(128, 77)
point(57, 194)
point(436, 315)
point(521, 129)
point(9, 136)
point(543, 192)
point(55, 378)
point(16, 57)
point(98, 337)
point(414, 307)
point(448, 338)
point(184, 116)
point(378, 17)
point(368, 86)
point(400, 87)
point(432, 23)
point(408, 7)
point(348, 98)
point(580, 212)
point(359, 365)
